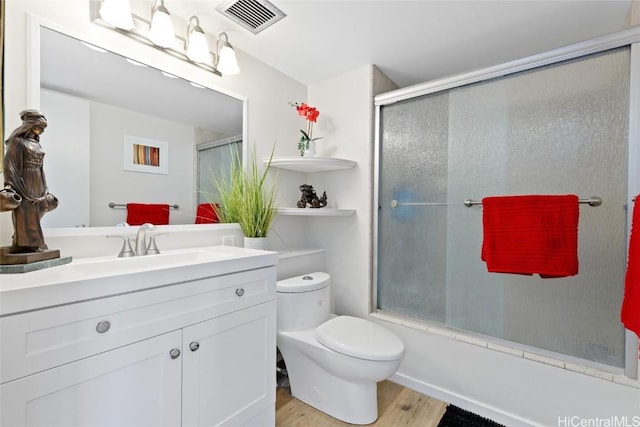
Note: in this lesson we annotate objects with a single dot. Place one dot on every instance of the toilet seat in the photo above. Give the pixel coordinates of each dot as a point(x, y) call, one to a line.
point(359, 338)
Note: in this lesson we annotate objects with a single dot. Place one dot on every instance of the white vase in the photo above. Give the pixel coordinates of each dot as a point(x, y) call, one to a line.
point(260, 243)
point(311, 151)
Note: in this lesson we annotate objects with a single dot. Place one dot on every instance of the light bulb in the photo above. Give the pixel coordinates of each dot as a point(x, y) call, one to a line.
point(228, 64)
point(161, 30)
point(198, 49)
point(117, 13)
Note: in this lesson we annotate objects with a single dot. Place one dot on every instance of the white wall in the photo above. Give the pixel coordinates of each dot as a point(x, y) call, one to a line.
point(346, 116)
point(67, 146)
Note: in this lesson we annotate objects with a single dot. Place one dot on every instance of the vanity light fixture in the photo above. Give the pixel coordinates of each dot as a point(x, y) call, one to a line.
point(157, 31)
point(196, 46)
point(225, 59)
point(161, 31)
point(117, 13)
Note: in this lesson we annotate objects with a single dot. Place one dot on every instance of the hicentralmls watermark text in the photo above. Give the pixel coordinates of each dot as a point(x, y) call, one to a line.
point(614, 421)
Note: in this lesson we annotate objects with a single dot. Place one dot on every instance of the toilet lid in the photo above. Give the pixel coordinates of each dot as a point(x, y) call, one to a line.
point(305, 283)
point(359, 338)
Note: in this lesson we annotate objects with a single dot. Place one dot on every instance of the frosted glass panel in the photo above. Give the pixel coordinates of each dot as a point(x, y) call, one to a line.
point(412, 242)
point(561, 129)
point(214, 162)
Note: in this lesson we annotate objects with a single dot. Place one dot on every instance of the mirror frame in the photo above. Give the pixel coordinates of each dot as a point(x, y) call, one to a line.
point(34, 26)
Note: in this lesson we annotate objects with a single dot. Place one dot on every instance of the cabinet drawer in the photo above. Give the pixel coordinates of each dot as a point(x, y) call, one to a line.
point(43, 339)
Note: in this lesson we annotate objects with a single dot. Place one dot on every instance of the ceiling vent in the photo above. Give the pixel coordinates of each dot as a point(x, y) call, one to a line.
point(254, 15)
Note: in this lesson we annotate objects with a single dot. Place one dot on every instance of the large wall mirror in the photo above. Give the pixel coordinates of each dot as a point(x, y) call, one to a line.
point(101, 107)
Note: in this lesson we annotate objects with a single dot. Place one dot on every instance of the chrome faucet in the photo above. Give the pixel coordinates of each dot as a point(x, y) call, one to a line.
point(126, 250)
point(141, 239)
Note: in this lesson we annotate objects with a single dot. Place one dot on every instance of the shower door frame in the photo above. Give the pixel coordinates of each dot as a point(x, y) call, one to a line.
point(629, 37)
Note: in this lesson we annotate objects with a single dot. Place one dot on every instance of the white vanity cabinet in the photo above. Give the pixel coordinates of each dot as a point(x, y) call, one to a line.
point(194, 353)
point(135, 385)
point(224, 366)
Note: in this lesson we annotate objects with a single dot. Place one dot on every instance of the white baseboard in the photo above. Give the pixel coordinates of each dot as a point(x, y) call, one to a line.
point(499, 416)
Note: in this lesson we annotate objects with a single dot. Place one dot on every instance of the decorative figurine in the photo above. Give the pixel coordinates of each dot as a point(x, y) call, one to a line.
point(25, 192)
point(310, 198)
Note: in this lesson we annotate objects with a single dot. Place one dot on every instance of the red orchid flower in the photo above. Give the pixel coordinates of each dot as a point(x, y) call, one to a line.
point(311, 115)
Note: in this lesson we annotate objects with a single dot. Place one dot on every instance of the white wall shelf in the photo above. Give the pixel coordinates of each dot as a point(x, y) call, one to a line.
point(310, 164)
point(315, 212)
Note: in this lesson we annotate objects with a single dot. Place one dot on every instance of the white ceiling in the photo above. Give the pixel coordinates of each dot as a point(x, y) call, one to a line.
point(410, 41)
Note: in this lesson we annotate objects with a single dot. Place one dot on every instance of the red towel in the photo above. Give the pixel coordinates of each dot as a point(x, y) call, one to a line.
point(534, 234)
point(139, 213)
point(206, 214)
point(630, 314)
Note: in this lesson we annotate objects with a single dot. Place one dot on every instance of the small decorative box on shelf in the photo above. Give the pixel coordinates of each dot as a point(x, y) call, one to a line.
point(310, 164)
point(316, 212)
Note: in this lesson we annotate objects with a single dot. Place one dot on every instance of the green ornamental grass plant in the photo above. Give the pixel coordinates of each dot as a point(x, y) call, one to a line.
point(247, 197)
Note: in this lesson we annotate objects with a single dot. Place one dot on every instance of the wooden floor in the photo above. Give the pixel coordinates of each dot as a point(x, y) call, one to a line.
point(397, 406)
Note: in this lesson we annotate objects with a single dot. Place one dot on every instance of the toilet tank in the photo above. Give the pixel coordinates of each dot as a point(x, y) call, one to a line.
point(303, 301)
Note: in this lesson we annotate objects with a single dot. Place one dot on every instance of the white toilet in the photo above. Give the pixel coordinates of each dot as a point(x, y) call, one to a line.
point(333, 362)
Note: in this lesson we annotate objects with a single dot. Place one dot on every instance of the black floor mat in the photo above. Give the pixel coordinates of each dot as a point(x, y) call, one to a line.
point(457, 417)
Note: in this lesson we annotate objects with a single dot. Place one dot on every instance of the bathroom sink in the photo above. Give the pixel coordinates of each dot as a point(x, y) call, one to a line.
point(112, 266)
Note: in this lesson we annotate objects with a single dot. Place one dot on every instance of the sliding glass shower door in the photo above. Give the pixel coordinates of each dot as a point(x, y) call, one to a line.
point(559, 129)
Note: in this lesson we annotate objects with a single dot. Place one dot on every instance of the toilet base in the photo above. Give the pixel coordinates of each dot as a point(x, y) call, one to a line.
point(340, 386)
point(351, 402)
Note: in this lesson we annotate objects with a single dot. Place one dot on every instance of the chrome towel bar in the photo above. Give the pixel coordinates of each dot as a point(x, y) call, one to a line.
point(591, 201)
point(124, 205)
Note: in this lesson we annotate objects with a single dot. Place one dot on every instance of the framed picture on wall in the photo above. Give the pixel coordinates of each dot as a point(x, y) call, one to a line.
point(145, 155)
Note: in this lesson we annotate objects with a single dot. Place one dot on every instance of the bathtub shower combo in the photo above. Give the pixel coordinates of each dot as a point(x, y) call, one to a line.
point(524, 128)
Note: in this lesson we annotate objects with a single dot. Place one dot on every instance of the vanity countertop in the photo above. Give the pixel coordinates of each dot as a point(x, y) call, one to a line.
point(90, 278)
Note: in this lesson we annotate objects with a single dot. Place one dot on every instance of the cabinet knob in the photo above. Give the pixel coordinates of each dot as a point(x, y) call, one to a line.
point(103, 326)
point(174, 353)
point(240, 292)
point(194, 345)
